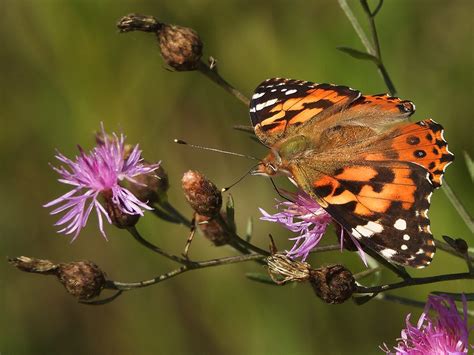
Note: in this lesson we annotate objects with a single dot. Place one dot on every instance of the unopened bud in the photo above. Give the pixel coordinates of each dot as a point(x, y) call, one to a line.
point(181, 47)
point(119, 218)
point(282, 269)
point(202, 194)
point(82, 279)
point(151, 187)
point(213, 229)
point(333, 284)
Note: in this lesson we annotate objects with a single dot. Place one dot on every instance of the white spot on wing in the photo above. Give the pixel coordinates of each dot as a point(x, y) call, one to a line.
point(400, 224)
point(356, 234)
point(289, 92)
point(428, 198)
point(257, 95)
point(406, 237)
point(388, 253)
point(404, 247)
point(370, 229)
point(265, 104)
point(420, 251)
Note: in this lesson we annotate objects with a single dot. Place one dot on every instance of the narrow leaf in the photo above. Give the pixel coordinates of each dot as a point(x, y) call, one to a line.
point(249, 230)
point(470, 165)
point(358, 54)
point(230, 212)
point(262, 278)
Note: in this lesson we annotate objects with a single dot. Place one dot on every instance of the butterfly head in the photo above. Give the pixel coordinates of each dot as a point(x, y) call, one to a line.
point(271, 165)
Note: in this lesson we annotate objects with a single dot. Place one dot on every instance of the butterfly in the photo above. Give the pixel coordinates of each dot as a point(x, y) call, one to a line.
point(359, 157)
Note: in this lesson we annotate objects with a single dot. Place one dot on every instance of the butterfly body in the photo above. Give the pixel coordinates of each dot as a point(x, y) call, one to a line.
point(358, 157)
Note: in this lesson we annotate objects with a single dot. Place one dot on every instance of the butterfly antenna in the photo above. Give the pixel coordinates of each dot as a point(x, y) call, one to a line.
point(239, 179)
point(278, 191)
point(179, 141)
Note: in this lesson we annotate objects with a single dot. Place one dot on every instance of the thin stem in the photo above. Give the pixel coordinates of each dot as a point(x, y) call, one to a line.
point(409, 302)
point(414, 281)
point(365, 273)
point(211, 73)
point(125, 286)
point(165, 205)
point(442, 245)
point(134, 232)
point(458, 206)
point(357, 27)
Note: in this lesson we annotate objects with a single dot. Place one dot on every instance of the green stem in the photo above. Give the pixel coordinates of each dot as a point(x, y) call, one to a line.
point(211, 73)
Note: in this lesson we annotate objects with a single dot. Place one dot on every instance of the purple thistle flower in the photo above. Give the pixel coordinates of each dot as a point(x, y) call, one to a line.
point(306, 217)
point(96, 174)
point(446, 334)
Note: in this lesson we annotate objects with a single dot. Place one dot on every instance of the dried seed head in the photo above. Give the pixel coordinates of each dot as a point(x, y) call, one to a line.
point(151, 187)
point(119, 218)
point(213, 229)
point(39, 266)
point(137, 22)
point(282, 269)
point(181, 47)
point(333, 284)
point(202, 194)
point(82, 279)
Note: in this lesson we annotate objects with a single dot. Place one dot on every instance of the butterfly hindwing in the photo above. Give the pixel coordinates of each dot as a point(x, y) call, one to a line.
point(385, 206)
point(381, 195)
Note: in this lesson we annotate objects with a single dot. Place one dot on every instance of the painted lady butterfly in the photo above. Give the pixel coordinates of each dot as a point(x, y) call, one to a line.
point(359, 158)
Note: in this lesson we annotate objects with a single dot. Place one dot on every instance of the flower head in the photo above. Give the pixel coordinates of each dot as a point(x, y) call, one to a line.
point(96, 175)
point(306, 217)
point(448, 333)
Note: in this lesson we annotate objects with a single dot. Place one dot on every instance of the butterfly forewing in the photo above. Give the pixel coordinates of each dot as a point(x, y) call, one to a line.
point(279, 106)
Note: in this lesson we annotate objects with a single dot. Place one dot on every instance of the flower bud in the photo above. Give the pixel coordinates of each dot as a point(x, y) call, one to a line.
point(119, 218)
point(181, 47)
point(213, 229)
point(151, 187)
point(333, 284)
point(282, 269)
point(82, 279)
point(202, 194)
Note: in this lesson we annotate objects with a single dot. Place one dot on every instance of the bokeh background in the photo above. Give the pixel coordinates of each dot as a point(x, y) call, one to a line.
point(64, 69)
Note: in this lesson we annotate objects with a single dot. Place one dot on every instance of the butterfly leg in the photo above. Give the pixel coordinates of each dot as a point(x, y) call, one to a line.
point(192, 231)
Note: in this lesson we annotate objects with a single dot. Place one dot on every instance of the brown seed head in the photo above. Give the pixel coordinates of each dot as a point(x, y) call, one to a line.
point(202, 194)
point(213, 229)
point(119, 218)
point(333, 284)
point(151, 187)
point(82, 279)
point(282, 269)
point(181, 47)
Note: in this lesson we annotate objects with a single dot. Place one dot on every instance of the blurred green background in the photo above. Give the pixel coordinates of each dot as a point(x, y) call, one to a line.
point(64, 69)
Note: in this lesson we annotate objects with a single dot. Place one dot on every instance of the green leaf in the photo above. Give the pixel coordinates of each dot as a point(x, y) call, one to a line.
point(249, 230)
point(358, 54)
point(456, 296)
point(470, 165)
point(230, 212)
point(262, 278)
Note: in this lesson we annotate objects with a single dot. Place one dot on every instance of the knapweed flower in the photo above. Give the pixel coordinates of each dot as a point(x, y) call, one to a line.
point(305, 216)
point(97, 175)
point(447, 333)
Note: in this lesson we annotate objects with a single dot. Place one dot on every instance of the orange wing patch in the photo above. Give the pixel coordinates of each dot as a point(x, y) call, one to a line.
point(421, 143)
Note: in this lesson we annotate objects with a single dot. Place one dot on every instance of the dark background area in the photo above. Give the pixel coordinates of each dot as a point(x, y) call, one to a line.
point(65, 68)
